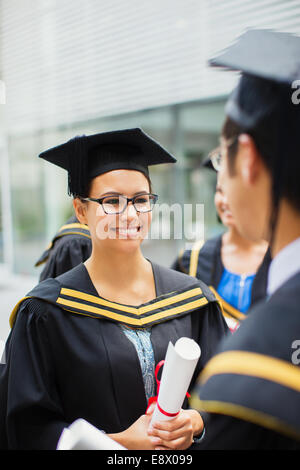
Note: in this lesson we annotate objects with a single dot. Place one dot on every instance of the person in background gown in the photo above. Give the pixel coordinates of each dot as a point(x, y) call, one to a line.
point(70, 246)
point(235, 268)
point(86, 344)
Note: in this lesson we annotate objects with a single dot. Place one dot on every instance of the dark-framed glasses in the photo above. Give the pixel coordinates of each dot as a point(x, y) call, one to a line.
point(216, 154)
point(117, 203)
point(216, 158)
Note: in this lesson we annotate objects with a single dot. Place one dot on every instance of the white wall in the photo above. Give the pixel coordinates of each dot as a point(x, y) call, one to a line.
point(72, 60)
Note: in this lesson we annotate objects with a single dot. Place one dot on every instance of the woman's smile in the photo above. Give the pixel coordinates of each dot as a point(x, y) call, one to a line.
point(127, 232)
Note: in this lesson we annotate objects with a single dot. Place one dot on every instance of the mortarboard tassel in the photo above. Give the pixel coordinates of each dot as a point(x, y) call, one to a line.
point(78, 166)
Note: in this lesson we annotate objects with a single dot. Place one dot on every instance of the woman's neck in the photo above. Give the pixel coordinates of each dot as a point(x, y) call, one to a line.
point(232, 237)
point(126, 278)
point(239, 255)
point(116, 266)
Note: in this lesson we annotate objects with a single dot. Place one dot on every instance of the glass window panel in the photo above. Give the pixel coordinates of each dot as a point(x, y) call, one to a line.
point(1, 229)
point(201, 126)
point(27, 202)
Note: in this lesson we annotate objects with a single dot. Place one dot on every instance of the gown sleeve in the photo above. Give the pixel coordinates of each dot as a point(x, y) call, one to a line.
point(209, 328)
point(213, 329)
point(228, 433)
point(224, 432)
point(181, 263)
point(30, 403)
point(68, 253)
point(244, 410)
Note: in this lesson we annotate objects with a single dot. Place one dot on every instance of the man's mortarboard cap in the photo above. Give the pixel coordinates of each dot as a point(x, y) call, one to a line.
point(86, 157)
point(262, 103)
point(270, 63)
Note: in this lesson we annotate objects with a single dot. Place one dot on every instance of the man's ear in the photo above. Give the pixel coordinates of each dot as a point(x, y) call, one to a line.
point(250, 161)
point(80, 210)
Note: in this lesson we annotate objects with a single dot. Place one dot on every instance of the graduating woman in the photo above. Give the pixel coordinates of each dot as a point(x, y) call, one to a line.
point(235, 268)
point(251, 388)
point(85, 344)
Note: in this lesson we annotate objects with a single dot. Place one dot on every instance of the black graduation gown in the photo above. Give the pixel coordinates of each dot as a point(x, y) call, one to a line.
point(251, 388)
point(67, 356)
point(70, 246)
point(205, 263)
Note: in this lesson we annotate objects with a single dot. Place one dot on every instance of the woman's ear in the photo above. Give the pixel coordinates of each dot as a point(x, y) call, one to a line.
point(80, 210)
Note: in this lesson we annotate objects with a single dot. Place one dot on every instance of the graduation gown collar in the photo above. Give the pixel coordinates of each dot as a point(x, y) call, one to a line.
point(74, 292)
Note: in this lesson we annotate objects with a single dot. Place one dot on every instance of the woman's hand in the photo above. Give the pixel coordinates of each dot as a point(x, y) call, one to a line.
point(136, 437)
point(177, 433)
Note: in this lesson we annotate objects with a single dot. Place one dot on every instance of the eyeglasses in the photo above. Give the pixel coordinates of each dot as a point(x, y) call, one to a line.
point(216, 154)
point(117, 204)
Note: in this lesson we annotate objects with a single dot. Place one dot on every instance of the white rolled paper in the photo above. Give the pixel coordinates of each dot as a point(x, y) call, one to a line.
point(178, 369)
point(81, 435)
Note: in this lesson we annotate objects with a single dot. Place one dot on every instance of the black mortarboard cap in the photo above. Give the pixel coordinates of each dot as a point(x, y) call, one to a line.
point(85, 157)
point(262, 103)
point(270, 62)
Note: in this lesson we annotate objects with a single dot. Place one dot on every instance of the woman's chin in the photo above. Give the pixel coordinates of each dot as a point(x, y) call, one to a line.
point(227, 220)
point(128, 245)
point(122, 242)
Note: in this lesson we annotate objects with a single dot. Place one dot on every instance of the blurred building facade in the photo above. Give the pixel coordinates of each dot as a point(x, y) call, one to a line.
point(72, 67)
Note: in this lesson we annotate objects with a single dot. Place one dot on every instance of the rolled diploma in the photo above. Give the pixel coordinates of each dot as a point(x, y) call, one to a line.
point(178, 369)
point(81, 435)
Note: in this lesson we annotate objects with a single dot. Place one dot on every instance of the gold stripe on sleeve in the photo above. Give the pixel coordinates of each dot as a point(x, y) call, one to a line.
point(255, 365)
point(244, 413)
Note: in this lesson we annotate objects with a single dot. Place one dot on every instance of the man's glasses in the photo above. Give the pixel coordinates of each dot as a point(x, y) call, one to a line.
point(117, 204)
point(216, 154)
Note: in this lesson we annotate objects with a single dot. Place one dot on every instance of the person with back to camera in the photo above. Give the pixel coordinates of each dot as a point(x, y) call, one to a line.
point(85, 344)
point(250, 390)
